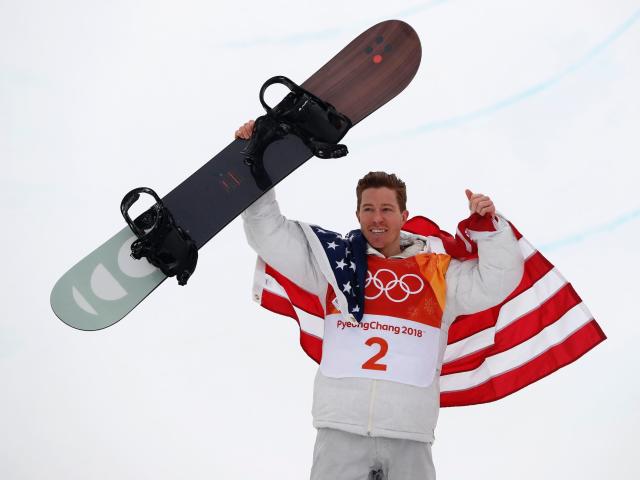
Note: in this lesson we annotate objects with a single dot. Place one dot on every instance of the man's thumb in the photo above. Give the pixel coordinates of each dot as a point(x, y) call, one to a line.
point(469, 193)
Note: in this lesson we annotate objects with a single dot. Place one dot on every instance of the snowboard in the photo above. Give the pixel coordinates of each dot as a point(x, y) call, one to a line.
point(108, 283)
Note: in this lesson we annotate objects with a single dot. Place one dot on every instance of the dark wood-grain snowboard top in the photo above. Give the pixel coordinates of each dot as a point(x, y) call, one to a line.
point(369, 71)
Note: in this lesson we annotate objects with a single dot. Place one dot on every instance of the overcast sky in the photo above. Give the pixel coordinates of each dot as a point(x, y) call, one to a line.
point(535, 103)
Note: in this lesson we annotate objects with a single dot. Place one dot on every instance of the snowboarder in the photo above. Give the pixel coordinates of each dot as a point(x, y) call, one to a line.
point(376, 419)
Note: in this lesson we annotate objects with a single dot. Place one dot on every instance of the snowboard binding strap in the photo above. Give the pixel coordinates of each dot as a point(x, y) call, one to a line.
point(317, 123)
point(165, 245)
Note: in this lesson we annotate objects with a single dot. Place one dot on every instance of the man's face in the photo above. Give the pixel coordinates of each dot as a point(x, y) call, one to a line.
point(381, 219)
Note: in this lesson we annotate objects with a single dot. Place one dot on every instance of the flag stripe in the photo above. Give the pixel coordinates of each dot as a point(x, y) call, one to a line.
point(520, 354)
point(517, 332)
point(310, 324)
point(275, 298)
point(526, 248)
point(312, 346)
point(301, 298)
point(530, 299)
point(309, 342)
point(273, 286)
point(556, 357)
point(278, 304)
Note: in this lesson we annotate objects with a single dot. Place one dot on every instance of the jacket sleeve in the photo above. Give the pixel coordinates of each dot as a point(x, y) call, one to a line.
point(282, 244)
point(475, 285)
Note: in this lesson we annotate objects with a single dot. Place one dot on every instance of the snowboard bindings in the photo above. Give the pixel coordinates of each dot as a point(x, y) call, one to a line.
point(164, 244)
point(317, 123)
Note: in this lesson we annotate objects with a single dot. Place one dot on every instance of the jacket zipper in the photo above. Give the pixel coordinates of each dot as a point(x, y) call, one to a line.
point(373, 394)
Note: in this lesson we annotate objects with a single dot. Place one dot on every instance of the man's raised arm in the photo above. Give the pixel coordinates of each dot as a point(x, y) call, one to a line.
point(280, 242)
point(475, 285)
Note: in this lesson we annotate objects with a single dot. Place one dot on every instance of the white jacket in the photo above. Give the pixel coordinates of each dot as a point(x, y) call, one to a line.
point(379, 407)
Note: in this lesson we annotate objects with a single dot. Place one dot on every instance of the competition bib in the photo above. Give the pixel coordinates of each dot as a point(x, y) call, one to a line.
point(399, 336)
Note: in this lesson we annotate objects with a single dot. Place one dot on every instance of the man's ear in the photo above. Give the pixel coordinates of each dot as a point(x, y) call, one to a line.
point(358, 215)
point(405, 216)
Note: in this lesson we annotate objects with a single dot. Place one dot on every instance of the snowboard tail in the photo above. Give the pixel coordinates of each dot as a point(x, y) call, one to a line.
point(107, 284)
point(104, 286)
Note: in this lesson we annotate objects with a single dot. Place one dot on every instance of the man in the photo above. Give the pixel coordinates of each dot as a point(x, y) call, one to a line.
point(376, 393)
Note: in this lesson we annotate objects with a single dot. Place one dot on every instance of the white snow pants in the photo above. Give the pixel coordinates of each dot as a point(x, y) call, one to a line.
point(340, 455)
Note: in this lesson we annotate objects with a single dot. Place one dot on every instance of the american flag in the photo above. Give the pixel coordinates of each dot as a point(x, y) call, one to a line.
point(539, 328)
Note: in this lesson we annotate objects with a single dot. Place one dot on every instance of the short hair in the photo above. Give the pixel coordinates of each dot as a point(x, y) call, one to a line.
point(383, 179)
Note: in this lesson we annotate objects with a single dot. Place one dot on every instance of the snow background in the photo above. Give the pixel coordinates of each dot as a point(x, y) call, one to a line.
point(534, 103)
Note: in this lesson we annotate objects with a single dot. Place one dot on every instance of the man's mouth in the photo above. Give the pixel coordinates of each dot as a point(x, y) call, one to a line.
point(377, 231)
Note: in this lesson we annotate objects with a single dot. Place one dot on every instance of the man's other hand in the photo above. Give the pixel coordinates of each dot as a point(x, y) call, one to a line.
point(245, 131)
point(480, 204)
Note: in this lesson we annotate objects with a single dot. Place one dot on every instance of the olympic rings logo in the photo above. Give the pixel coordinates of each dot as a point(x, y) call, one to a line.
point(392, 284)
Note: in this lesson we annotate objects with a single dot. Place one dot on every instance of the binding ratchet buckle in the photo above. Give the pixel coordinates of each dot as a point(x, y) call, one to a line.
point(317, 123)
point(160, 240)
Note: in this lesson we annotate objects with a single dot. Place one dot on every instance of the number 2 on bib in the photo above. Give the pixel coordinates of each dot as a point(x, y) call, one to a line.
point(372, 364)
